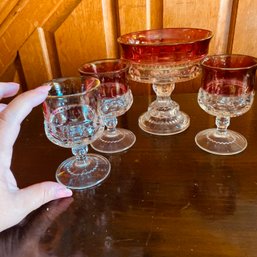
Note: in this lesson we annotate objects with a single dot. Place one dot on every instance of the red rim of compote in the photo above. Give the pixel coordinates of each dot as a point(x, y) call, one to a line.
point(165, 45)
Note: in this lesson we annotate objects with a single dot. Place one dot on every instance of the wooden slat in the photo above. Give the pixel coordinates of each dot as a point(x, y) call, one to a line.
point(109, 13)
point(10, 74)
point(22, 21)
point(81, 37)
point(132, 15)
point(35, 59)
point(223, 27)
point(59, 16)
point(232, 26)
point(245, 37)
point(154, 14)
point(194, 13)
point(5, 8)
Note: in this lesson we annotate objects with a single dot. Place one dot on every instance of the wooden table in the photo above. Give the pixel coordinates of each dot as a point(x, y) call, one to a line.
point(164, 196)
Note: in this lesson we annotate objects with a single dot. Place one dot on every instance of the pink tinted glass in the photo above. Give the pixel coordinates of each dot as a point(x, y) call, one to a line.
point(228, 74)
point(165, 45)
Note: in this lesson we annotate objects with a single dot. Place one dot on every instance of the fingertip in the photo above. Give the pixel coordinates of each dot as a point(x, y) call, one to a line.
point(8, 89)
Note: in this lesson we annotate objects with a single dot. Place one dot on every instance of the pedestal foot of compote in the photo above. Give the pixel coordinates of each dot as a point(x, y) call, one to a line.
point(163, 116)
point(114, 142)
point(164, 120)
point(211, 141)
point(81, 175)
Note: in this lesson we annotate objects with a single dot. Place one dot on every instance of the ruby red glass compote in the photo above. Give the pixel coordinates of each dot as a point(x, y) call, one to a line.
point(163, 57)
point(227, 90)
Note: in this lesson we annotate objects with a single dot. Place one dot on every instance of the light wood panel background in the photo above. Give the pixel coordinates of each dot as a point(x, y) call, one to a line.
point(40, 40)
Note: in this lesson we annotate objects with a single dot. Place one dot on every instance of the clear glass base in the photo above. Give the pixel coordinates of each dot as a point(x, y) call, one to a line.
point(118, 141)
point(83, 175)
point(164, 119)
point(213, 142)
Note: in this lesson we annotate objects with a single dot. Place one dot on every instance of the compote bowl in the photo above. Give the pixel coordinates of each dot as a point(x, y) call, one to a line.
point(163, 57)
point(227, 90)
point(72, 120)
point(115, 99)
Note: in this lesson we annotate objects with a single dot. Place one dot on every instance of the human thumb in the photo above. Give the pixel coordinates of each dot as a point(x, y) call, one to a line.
point(32, 197)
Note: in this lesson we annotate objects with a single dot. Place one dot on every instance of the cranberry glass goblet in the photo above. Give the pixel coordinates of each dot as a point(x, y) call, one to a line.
point(115, 98)
point(163, 57)
point(72, 120)
point(227, 90)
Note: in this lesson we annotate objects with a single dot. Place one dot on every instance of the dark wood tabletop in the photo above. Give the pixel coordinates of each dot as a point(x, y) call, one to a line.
point(163, 197)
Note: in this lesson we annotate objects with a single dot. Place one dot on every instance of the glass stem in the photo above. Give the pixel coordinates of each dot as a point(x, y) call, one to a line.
point(163, 103)
point(222, 124)
point(111, 123)
point(163, 92)
point(80, 153)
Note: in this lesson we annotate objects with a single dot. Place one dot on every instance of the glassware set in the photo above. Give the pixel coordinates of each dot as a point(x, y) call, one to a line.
point(78, 108)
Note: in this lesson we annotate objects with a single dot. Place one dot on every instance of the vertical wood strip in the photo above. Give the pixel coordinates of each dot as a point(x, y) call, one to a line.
point(44, 51)
point(223, 26)
point(81, 37)
point(245, 36)
point(232, 26)
point(132, 15)
point(35, 59)
point(154, 14)
point(110, 27)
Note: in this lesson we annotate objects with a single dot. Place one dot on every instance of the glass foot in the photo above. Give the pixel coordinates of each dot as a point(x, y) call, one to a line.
point(117, 142)
point(212, 142)
point(81, 176)
point(163, 125)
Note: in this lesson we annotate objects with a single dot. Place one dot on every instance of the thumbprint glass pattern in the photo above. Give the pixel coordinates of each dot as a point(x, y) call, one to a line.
point(72, 120)
point(227, 90)
point(163, 57)
point(115, 98)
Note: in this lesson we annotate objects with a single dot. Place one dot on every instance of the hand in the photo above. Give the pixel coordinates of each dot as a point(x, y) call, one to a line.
point(15, 203)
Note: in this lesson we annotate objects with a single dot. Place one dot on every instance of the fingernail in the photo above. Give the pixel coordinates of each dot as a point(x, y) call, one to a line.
point(63, 192)
point(43, 89)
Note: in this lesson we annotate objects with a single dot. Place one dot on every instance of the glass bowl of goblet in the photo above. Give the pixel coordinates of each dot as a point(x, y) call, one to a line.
point(163, 57)
point(115, 98)
point(227, 90)
point(72, 120)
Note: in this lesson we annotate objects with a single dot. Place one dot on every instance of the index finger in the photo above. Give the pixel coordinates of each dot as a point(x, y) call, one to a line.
point(8, 89)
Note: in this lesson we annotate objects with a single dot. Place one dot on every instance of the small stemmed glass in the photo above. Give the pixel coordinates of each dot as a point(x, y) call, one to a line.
point(72, 120)
point(115, 99)
point(227, 90)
